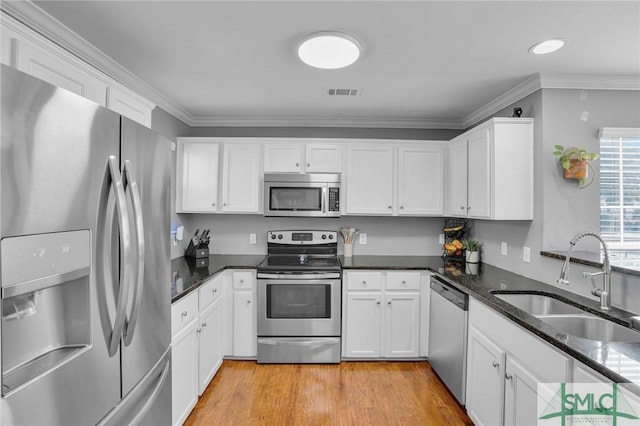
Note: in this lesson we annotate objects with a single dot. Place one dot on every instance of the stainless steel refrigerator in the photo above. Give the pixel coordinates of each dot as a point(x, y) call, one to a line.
point(85, 258)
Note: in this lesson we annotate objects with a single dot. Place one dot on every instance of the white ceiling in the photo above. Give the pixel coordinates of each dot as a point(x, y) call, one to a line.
point(423, 63)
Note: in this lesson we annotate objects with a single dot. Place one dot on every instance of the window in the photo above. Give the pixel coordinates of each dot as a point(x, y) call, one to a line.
point(620, 187)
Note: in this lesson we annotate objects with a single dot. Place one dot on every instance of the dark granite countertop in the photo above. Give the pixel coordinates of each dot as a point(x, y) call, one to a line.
point(187, 276)
point(618, 361)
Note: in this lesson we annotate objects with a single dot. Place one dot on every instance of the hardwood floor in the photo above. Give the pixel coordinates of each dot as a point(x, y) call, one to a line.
point(349, 393)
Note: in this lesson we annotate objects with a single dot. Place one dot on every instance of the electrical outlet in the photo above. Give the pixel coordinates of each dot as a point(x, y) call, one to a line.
point(503, 248)
point(252, 239)
point(526, 254)
point(441, 239)
point(363, 238)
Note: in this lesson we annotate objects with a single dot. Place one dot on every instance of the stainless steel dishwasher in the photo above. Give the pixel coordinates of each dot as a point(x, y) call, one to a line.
point(448, 311)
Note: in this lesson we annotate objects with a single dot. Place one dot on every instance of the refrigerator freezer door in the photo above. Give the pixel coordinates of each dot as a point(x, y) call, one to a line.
point(147, 335)
point(54, 150)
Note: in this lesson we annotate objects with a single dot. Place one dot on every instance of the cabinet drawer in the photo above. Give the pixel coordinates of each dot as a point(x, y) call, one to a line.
point(183, 312)
point(403, 281)
point(210, 292)
point(364, 280)
point(243, 280)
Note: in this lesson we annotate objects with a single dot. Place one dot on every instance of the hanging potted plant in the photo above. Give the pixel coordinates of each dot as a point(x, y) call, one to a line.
point(575, 163)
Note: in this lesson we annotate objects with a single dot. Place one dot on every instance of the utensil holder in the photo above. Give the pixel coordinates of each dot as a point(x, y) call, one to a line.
point(348, 250)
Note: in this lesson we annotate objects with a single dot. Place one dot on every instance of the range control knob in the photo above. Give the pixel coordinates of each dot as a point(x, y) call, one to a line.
point(280, 236)
point(331, 236)
point(324, 236)
point(273, 236)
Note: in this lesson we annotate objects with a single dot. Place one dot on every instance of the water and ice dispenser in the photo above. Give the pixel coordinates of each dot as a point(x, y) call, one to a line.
point(46, 317)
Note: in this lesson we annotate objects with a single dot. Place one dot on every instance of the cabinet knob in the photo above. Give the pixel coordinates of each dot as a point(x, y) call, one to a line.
point(389, 303)
point(213, 204)
point(461, 207)
point(378, 302)
point(364, 282)
point(401, 207)
point(199, 330)
point(248, 302)
point(308, 164)
point(184, 314)
point(389, 207)
point(215, 290)
point(404, 282)
point(508, 376)
point(468, 207)
point(495, 364)
point(224, 204)
point(297, 164)
point(204, 324)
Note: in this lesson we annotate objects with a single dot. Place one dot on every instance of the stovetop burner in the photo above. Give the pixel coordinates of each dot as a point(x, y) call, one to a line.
point(302, 261)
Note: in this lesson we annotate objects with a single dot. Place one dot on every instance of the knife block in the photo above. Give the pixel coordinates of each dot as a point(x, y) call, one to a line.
point(197, 253)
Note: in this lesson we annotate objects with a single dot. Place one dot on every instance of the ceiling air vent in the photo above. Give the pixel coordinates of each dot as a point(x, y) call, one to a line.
point(343, 92)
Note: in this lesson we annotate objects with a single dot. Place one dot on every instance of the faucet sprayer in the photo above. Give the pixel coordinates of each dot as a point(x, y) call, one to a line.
point(605, 292)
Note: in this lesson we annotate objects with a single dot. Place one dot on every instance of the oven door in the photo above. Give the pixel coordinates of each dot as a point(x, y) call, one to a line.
point(299, 307)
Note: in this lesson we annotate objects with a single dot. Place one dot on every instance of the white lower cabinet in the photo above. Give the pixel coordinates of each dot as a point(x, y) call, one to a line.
point(381, 314)
point(196, 345)
point(245, 333)
point(505, 364)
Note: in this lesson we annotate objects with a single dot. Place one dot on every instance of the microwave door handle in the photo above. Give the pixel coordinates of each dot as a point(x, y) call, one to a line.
point(324, 200)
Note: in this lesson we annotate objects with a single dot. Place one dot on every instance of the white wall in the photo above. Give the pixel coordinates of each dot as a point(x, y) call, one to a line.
point(385, 236)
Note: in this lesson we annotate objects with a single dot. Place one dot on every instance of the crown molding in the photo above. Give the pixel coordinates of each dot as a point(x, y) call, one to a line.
point(46, 25)
point(590, 82)
point(523, 89)
point(377, 123)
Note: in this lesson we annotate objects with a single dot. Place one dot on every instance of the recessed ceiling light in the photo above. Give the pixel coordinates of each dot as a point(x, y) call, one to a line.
point(547, 46)
point(329, 50)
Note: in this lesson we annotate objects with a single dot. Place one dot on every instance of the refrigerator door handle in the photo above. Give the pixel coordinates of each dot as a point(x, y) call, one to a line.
point(113, 180)
point(136, 203)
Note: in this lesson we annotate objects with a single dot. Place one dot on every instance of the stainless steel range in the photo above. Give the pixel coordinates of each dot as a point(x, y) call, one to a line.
point(299, 293)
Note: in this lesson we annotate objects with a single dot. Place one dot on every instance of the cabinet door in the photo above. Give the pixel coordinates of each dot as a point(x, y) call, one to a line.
point(456, 197)
point(184, 373)
point(402, 325)
point(283, 157)
point(479, 173)
point(241, 178)
point(54, 69)
point(521, 395)
point(245, 337)
point(210, 350)
point(485, 380)
point(421, 181)
point(323, 158)
point(197, 177)
point(363, 325)
point(370, 180)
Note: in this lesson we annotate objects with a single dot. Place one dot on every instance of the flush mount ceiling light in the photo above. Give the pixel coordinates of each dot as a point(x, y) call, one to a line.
point(547, 46)
point(329, 50)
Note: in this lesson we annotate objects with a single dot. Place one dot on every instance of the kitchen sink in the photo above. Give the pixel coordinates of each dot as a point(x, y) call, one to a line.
point(538, 304)
point(591, 327)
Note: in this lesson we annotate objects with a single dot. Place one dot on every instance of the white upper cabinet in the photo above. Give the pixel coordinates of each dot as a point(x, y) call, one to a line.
point(490, 171)
point(300, 156)
point(241, 178)
point(370, 179)
point(421, 180)
point(197, 176)
point(395, 178)
point(31, 53)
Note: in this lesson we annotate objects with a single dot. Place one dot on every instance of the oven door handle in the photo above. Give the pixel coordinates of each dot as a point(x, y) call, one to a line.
point(289, 277)
point(300, 343)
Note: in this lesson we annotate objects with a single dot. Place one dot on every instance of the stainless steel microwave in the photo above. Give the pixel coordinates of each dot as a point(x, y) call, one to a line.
point(307, 195)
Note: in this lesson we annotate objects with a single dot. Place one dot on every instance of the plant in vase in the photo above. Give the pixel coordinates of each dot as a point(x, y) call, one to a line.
point(471, 250)
point(575, 163)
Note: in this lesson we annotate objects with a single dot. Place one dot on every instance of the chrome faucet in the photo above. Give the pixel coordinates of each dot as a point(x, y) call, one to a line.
point(603, 293)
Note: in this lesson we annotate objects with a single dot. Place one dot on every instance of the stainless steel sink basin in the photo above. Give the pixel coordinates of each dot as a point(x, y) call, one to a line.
point(538, 304)
point(591, 327)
